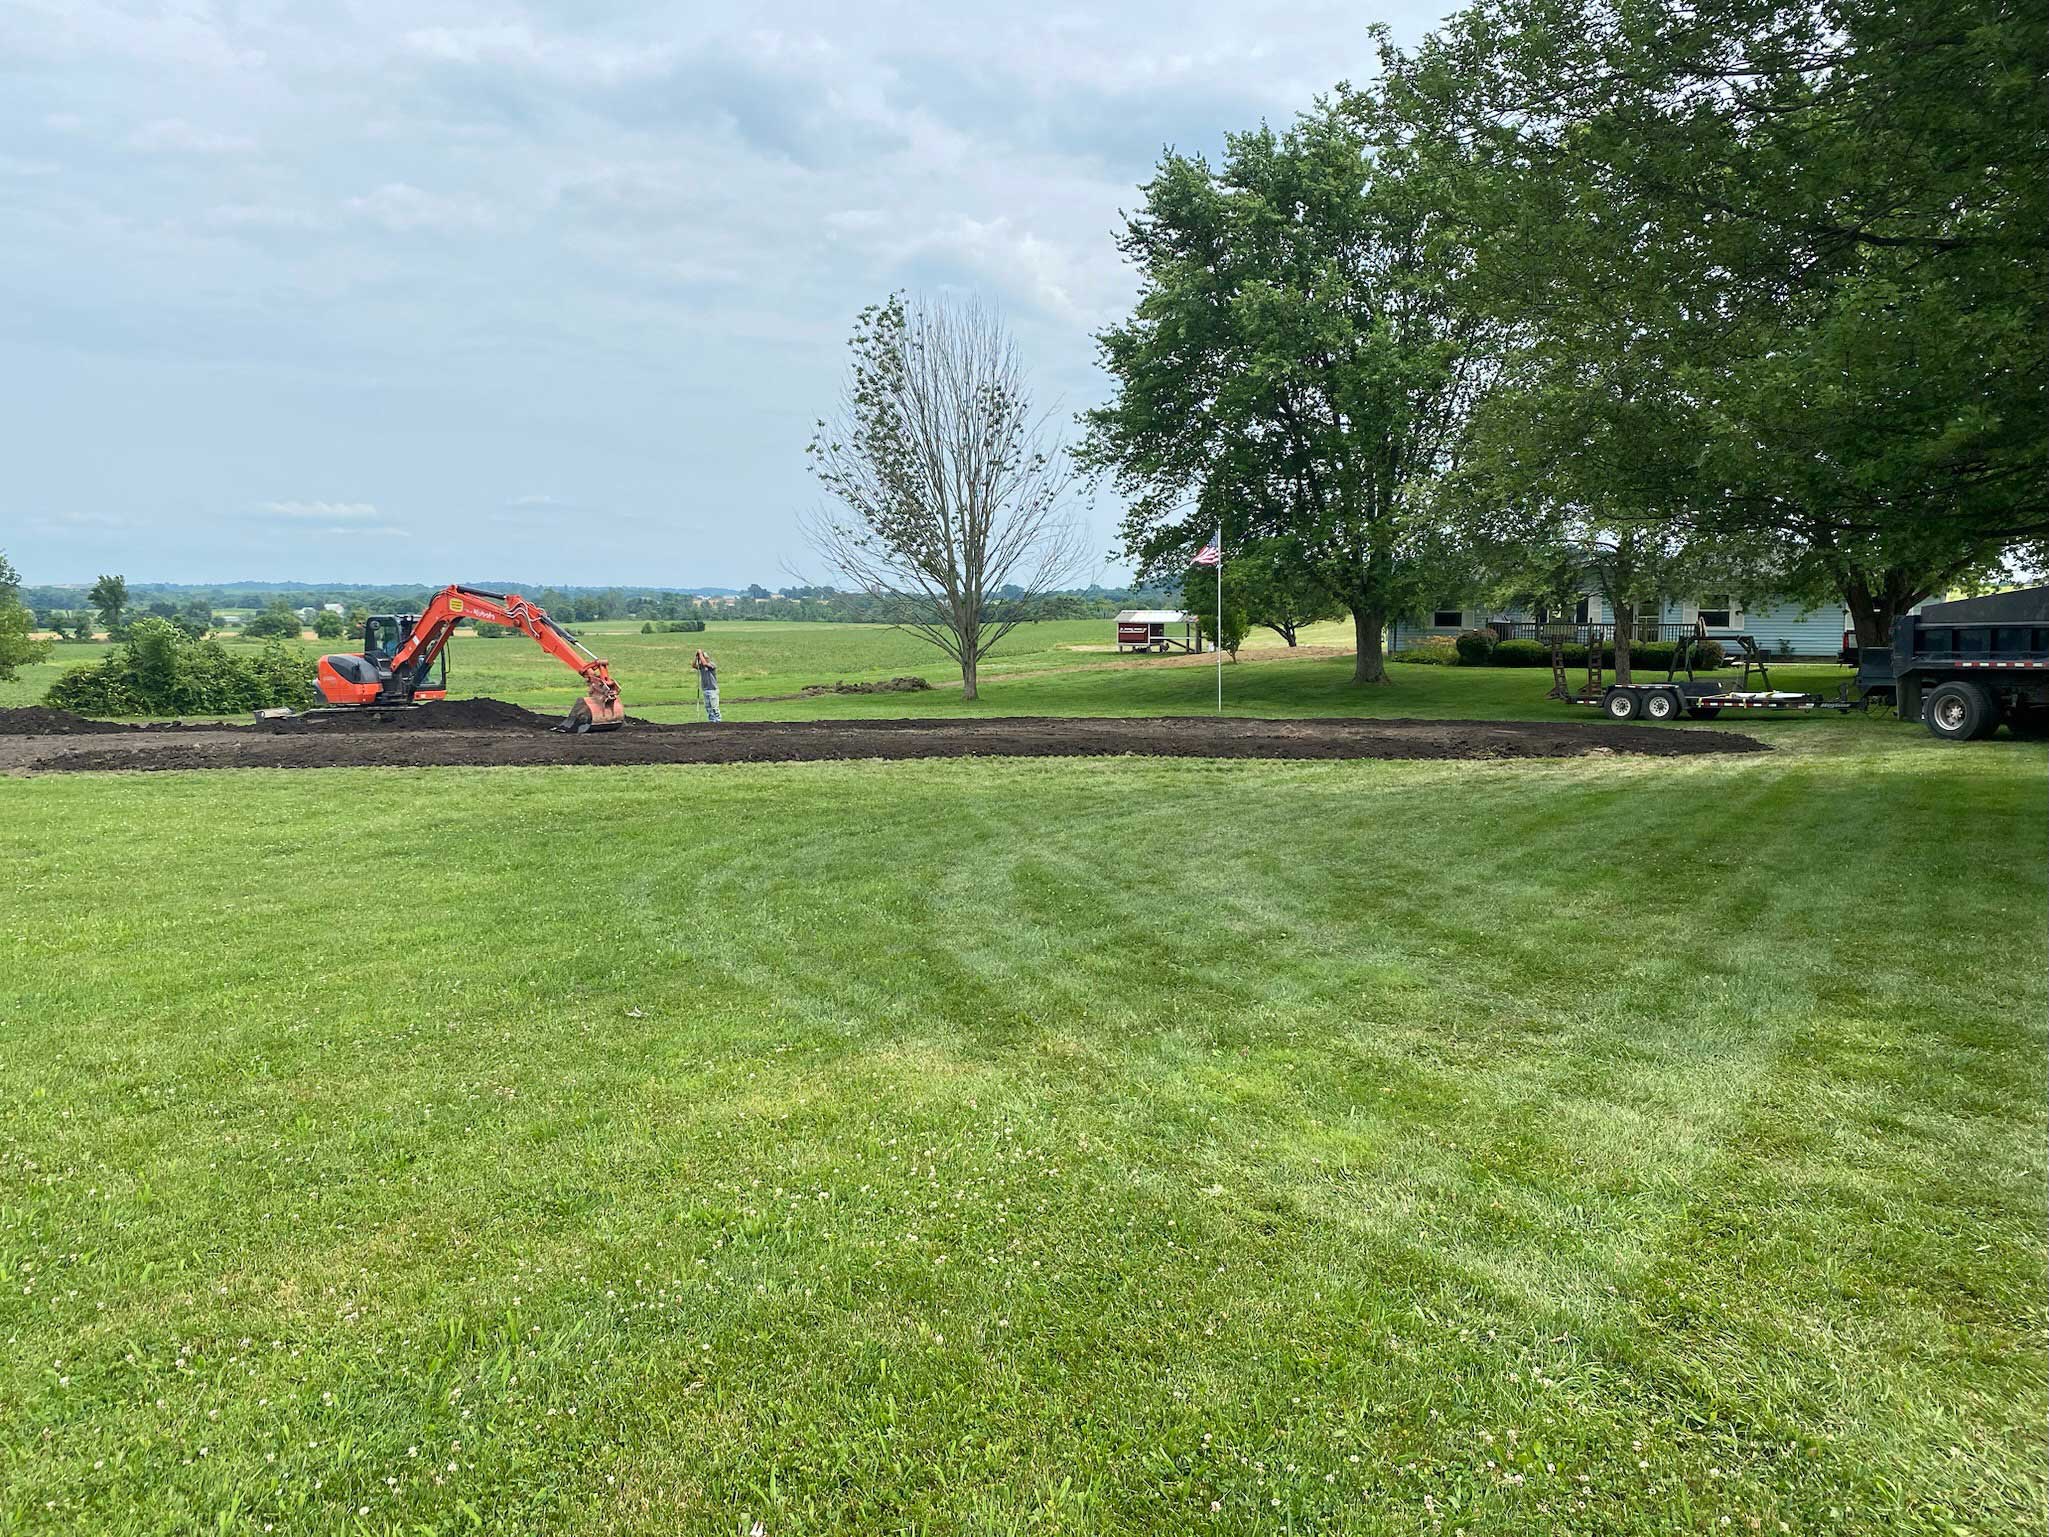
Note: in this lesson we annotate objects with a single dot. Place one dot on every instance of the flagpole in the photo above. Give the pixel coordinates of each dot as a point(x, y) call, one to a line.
point(1220, 619)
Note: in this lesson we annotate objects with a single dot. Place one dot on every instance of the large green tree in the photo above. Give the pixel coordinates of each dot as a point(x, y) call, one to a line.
point(277, 621)
point(1297, 366)
point(1824, 222)
point(1277, 589)
point(109, 596)
point(18, 648)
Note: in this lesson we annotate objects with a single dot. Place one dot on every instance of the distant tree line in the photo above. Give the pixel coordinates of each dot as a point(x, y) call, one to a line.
point(103, 609)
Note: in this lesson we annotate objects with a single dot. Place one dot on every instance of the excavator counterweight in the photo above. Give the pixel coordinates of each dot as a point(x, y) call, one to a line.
point(404, 659)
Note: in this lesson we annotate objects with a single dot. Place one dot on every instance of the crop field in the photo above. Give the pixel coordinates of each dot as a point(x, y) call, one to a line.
point(1618, 1144)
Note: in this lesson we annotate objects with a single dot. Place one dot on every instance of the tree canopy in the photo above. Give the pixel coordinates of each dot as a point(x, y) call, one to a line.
point(1297, 366)
point(1774, 270)
point(18, 648)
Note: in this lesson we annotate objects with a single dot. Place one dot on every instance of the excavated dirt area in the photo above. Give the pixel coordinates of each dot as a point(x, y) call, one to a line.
point(491, 732)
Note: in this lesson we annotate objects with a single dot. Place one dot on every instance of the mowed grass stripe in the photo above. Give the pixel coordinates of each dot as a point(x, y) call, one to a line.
point(864, 1147)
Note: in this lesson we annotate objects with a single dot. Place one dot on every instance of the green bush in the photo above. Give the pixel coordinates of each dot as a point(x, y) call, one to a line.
point(1644, 655)
point(1432, 651)
point(160, 670)
point(279, 621)
point(1476, 647)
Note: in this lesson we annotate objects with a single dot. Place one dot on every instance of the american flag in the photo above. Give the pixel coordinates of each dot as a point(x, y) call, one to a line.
point(1211, 554)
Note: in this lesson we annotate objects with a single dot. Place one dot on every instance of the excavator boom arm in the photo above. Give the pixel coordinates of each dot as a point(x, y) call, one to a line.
point(455, 603)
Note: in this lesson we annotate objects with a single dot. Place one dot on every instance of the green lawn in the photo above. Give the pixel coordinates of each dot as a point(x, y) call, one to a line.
point(1082, 1146)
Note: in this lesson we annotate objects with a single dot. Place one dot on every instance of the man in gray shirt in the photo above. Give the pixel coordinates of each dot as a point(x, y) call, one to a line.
point(708, 684)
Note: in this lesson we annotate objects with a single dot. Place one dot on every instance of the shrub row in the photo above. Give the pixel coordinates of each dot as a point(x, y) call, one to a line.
point(672, 627)
point(1430, 651)
point(1643, 655)
point(1484, 648)
point(160, 670)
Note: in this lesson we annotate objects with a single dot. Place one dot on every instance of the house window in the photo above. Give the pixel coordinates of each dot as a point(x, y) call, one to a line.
point(1448, 619)
point(1580, 614)
point(1718, 613)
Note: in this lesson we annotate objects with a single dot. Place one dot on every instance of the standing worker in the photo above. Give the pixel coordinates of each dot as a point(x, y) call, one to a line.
point(707, 684)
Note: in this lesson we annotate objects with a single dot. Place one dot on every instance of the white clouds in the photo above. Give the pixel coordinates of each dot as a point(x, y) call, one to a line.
point(404, 209)
point(465, 251)
point(356, 521)
point(175, 136)
point(323, 512)
point(262, 216)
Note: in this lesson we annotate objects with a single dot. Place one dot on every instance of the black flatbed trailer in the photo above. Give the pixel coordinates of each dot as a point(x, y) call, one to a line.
point(1703, 699)
point(1962, 668)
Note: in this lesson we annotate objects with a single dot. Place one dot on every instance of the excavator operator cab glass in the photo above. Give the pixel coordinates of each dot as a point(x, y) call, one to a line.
point(382, 636)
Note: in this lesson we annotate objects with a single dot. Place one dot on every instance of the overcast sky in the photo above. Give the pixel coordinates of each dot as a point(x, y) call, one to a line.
point(404, 290)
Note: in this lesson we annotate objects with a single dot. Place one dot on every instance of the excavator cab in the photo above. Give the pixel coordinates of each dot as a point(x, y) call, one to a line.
point(367, 677)
point(383, 634)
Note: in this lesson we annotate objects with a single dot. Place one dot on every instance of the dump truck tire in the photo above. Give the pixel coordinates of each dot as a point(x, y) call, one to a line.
point(1959, 712)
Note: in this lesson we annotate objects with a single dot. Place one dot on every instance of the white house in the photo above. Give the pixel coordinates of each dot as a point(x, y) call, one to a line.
point(1779, 627)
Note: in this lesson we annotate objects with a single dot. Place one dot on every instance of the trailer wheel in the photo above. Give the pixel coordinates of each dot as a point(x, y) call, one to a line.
point(1959, 712)
point(1661, 705)
point(1620, 704)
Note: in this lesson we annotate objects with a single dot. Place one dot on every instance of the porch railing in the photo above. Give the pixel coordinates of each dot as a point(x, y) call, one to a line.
point(1584, 633)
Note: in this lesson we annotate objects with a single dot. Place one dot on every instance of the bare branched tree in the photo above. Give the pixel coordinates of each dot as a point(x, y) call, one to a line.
point(950, 502)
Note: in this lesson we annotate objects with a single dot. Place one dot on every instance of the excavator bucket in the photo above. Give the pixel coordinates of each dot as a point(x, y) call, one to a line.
point(600, 708)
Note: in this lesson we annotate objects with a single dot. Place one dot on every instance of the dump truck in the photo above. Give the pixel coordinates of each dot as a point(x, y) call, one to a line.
point(1967, 667)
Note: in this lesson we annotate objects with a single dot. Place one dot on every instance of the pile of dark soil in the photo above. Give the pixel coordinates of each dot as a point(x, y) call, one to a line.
point(441, 715)
point(40, 720)
point(886, 686)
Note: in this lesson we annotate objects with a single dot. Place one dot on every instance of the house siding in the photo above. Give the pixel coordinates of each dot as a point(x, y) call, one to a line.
point(1778, 627)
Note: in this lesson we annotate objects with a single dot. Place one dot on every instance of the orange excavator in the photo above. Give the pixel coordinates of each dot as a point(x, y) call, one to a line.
point(404, 659)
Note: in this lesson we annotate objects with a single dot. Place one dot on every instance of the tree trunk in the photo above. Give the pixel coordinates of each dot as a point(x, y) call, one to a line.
point(968, 662)
point(1625, 625)
point(1368, 665)
point(1875, 605)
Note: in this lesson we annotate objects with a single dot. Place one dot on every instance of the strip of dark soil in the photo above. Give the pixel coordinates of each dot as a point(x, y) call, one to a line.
point(441, 715)
point(522, 743)
point(40, 720)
